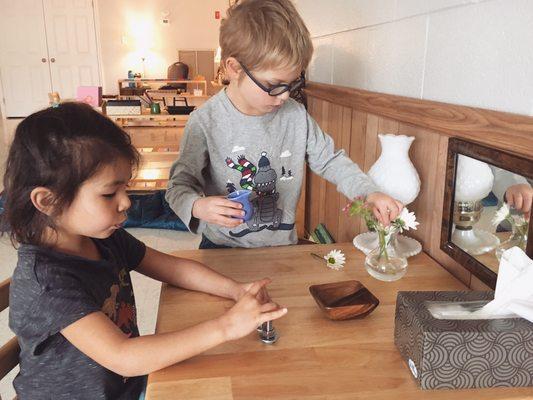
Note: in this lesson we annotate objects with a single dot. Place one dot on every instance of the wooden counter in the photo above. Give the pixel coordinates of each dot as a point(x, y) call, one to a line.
point(314, 358)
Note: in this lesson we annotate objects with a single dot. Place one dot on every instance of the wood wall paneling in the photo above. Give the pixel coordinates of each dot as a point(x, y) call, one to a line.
point(422, 154)
point(313, 199)
point(484, 126)
point(351, 226)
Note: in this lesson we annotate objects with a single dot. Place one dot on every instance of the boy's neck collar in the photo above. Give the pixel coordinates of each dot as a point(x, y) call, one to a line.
point(238, 102)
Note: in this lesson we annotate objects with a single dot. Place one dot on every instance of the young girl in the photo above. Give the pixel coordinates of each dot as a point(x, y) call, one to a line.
point(71, 298)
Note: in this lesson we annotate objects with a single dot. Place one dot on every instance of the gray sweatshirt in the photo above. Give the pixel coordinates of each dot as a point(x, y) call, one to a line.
point(223, 150)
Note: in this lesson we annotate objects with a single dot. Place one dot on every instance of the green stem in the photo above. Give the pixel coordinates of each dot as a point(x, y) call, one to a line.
point(382, 245)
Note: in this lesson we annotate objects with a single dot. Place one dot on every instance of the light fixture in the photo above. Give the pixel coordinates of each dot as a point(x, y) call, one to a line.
point(473, 182)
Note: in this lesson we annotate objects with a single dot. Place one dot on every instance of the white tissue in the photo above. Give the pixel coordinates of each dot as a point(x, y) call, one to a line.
point(514, 286)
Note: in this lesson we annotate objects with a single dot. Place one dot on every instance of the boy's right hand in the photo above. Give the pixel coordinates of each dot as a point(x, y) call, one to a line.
point(218, 210)
point(249, 313)
point(520, 197)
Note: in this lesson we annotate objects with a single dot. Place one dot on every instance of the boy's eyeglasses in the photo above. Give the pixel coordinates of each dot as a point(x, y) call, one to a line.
point(276, 90)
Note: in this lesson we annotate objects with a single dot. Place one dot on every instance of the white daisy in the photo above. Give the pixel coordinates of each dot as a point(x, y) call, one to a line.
point(519, 219)
point(501, 214)
point(408, 219)
point(335, 259)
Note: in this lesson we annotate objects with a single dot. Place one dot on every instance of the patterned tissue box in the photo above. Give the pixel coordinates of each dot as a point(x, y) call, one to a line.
point(460, 354)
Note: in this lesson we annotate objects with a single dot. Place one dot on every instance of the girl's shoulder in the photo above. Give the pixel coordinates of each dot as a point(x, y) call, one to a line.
point(40, 267)
point(37, 272)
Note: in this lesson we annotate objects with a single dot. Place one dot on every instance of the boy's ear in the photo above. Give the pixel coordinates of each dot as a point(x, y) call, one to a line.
point(42, 199)
point(233, 68)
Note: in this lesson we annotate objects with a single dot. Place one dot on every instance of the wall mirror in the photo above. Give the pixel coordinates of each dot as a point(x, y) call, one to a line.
point(478, 179)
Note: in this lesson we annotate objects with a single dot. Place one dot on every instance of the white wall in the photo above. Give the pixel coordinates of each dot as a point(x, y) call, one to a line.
point(129, 29)
point(475, 53)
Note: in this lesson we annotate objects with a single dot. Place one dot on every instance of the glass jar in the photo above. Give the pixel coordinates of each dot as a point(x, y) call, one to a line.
point(385, 261)
point(518, 238)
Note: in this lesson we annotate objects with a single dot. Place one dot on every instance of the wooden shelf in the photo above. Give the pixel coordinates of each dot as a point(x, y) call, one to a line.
point(157, 137)
point(146, 84)
point(146, 116)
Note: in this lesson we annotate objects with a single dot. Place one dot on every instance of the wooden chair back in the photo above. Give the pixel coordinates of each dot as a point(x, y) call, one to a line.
point(9, 352)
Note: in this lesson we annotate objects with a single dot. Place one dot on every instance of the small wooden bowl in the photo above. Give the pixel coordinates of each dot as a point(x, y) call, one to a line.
point(344, 300)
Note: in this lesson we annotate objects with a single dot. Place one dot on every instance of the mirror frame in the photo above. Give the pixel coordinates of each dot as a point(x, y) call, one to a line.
point(515, 163)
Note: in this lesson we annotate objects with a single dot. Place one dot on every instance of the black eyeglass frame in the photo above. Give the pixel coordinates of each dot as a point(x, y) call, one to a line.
point(285, 87)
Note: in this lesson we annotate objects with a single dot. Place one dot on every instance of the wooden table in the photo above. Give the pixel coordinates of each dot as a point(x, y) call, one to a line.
point(314, 358)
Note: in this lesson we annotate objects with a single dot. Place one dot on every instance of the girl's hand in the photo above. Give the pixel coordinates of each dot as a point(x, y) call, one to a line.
point(218, 210)
point(243, 288)
point(249, 313)
point(520, 197)
point(384, 207)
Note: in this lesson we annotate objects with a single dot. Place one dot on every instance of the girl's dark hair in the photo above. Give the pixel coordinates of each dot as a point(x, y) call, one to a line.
point(57, 148)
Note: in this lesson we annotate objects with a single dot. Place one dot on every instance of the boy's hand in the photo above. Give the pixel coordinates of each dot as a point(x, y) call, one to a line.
point(218, 210)
point(520, 197)
point(249, 312)
point(384, 207)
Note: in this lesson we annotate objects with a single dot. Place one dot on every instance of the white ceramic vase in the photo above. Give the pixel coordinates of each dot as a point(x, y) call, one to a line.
point(393, 172)
point(395, 175)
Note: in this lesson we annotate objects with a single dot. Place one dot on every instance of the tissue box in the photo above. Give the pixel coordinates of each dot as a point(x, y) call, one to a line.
point(122, 107)
point(91, 95)
point(459, 354)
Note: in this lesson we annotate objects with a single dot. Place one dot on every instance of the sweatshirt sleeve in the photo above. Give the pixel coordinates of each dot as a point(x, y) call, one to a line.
point(186, 181)
point(333, 165)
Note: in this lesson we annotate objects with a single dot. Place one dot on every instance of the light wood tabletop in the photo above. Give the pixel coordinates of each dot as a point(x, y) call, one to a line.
point(314, 358)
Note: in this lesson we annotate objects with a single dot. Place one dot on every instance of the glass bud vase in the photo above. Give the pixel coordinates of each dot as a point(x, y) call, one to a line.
point(385, 261)
point(518, 238)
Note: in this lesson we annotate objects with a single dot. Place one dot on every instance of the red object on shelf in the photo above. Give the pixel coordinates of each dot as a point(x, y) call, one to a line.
point(217, 14)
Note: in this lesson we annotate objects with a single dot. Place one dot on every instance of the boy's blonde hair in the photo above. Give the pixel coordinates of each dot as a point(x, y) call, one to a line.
point(266, 34)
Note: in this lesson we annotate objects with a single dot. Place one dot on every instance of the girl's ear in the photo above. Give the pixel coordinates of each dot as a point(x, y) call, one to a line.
point(232, 68)
point(42, 199)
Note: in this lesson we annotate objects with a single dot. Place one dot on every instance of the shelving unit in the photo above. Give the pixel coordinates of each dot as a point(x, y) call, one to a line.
point(157, 137)
point(147, 84)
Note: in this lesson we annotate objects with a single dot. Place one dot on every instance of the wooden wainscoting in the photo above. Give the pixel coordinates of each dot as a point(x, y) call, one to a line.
point(355, 117)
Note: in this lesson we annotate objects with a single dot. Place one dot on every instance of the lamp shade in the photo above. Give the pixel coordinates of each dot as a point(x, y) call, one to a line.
point(473, 180)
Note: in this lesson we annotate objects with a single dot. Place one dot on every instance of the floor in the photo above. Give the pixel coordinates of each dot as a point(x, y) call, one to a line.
point(146, 289)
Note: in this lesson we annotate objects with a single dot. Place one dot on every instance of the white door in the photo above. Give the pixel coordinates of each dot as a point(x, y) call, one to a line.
point(71, 36)
point(24, 68)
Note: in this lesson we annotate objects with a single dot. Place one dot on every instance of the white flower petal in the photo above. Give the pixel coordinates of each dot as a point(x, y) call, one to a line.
point(335, 259)
point(409, 219)
point(501, 214)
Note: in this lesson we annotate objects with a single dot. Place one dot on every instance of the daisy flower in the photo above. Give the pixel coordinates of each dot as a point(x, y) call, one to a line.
point(501, 214)
point(407, 220)
point(335, 259)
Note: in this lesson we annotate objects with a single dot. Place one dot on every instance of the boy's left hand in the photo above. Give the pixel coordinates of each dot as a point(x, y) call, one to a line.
point(384, 207)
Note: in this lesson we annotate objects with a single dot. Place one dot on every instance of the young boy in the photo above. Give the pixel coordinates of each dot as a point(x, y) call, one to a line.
point(252, 136)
